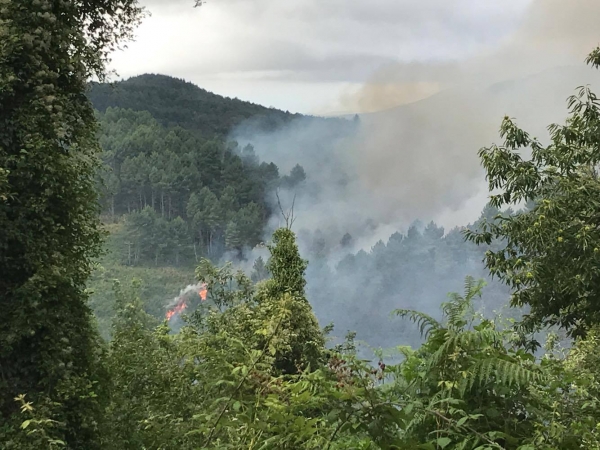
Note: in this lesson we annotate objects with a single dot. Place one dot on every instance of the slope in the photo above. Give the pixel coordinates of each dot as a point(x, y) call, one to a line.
point(172, 101)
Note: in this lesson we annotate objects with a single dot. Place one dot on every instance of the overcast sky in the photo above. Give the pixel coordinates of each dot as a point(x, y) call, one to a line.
point(311, 56)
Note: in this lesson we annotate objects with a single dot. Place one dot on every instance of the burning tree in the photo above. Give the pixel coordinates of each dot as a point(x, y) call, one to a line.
point(181, 302)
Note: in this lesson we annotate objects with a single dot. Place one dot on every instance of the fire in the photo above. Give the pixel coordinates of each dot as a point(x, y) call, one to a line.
point(203, 291)
point(182, 304)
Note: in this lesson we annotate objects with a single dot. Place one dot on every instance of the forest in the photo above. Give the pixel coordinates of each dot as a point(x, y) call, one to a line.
point(98, 188)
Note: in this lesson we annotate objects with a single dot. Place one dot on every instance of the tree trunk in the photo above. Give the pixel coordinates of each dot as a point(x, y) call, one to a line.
point(162, 204)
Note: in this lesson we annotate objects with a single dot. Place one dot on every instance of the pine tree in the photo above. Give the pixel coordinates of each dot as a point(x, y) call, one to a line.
point(233, 239)
point(259, 270)
point(229, 203)
point(180, 237)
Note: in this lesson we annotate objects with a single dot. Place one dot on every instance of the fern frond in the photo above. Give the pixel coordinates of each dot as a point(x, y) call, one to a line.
point(425, 322)
point(480, 338)
point(473, 288)
point(459, 307)
point(502, 372)
point(465, 340)
point(469, 283)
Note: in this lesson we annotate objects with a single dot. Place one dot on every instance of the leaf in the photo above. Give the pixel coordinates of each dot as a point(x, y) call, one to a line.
point(25, 424)
point(443, 441)
point(462, 421)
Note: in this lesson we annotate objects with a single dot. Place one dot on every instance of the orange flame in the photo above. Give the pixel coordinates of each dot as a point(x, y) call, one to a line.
point(203, 291)
point(180, 306)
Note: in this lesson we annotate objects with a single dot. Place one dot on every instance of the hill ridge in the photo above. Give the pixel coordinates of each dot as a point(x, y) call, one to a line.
point(174, 101)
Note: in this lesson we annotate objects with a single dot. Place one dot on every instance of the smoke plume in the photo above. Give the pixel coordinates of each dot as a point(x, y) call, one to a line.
point(413, 153)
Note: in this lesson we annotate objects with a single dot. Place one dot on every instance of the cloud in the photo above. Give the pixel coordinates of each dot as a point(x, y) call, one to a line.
point(312, 42)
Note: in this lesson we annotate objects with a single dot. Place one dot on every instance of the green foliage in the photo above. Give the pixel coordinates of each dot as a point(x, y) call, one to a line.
point(249, 368)
point(217, 383)
point(549, 253)
point(158, 177)
point(48, 213)
point(177, 102)
point(285, 265)
point(158, 283)
point(305, 340)
point(259, 270)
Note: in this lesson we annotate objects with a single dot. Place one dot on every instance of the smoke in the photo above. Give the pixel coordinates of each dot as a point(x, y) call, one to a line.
point(184, 293)
point(180, 304)
point(419, 158)
point(552, 33)
point(413, 153)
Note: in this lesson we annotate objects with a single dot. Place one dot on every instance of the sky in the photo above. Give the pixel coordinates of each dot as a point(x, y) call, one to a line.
point(314, 56)
point(469, 62)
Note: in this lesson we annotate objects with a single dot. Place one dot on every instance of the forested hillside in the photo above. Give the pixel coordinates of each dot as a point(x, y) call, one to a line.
point(171, 196)
point(173, 177)
point(187, 195)
point(175, 102)
point(173, 188)
point(414, 269)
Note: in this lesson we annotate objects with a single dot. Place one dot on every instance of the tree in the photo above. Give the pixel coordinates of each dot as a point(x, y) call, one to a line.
point(212, 216)
point(49, 223)
point(305, 341)
point(297, 175)
point(249, 156)
point(229, 203)
point(233, 240)
point(250, 223)
point(140, 231)
point(194, 214)
point(346, 240)
point(180, 237)
point(259, 270)
point(550, 253)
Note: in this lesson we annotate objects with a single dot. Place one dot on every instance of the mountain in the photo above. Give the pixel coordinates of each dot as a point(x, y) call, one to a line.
point(175, 102)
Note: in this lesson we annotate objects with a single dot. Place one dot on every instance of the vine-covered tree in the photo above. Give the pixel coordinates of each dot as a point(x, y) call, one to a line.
point(48, 212)
point(304, 344)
